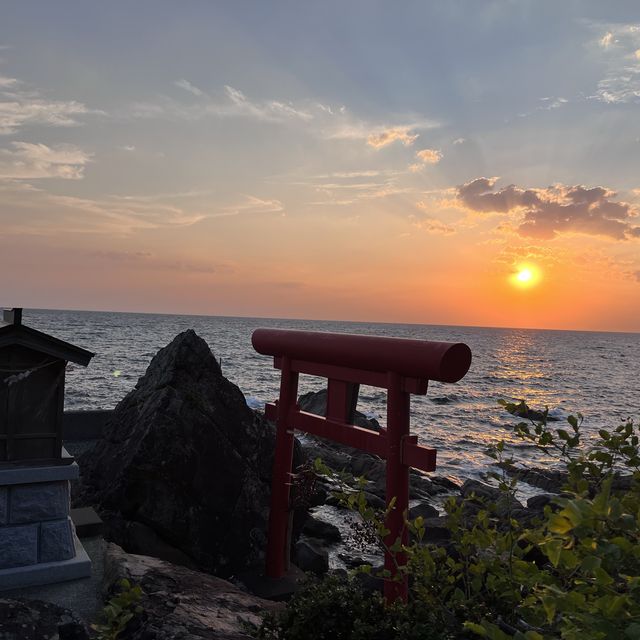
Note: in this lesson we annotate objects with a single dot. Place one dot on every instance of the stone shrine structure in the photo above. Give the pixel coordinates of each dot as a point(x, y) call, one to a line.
point(38, 544)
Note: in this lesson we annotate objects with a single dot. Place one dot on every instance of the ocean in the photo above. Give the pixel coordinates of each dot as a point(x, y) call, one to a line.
point(596, 374)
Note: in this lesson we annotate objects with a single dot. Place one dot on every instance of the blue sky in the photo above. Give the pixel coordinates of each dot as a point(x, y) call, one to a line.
point(185, 148)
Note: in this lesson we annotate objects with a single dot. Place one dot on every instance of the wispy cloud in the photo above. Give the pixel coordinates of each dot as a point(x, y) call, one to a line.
point(230, 103)
point(619, 45)
point(351, 187)
point(552, 211)
point(425, 157)
point(191, 88)
point(381, 139)
point(27, 161)
point(270, 110)
point(21, 106)
point(252, 205)
point(426, 219)
point(148, 261)
point(113, 216)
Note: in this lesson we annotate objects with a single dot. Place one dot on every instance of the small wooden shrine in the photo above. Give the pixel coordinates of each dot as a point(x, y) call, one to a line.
point(32, 378)
point(38, 543)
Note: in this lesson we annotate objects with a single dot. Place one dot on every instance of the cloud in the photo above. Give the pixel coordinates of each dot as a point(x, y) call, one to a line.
point(459, 140)
point(432, 225)
point(349, 188)
point(270, 111)
point(547, 213)
point(26, 210)
point(187, 86)
point(251, 204)
point(233, 103)
point(619, 45)
point(146, 260)
point(425, 157)
point(7, 82)
point(428, 222)
point(20, 106)
point(381, 139)
point(29, 161)
point(606, 41)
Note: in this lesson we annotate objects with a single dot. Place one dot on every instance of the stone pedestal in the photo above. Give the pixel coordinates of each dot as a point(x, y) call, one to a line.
point(38, 544)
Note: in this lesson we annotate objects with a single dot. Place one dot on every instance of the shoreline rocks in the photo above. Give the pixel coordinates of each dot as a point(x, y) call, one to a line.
point(180, 603)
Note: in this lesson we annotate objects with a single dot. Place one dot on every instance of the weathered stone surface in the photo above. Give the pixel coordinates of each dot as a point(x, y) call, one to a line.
point(436, 530)
point(184, 455)
point(181, 604)
point(442, 484)
point(539, 502)
point(4, 505)
point(18, 546)
point(310, 555)
point(39, 501)
point(36, 620)
point(316, 528)
point(423, 510)
point(56, 541)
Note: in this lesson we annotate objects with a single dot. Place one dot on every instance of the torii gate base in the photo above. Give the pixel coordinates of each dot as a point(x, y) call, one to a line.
point(400, 366)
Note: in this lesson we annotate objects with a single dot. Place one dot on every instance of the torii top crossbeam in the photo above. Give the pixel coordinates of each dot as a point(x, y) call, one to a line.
point(402, 367)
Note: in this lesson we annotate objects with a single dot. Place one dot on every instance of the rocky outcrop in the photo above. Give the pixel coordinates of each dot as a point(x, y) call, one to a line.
point(181, 604)
point(183, 471)
point(34, 620)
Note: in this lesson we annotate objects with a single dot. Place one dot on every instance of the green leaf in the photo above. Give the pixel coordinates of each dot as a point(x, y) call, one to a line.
point(559, 524)
point(549, 605)
point(474, 627)
point(553, 549)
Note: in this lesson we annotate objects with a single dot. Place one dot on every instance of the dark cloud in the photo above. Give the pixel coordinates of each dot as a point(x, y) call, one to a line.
point(554, 210)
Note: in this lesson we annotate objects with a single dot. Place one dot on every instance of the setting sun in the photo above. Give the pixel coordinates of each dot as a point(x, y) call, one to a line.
point(525, 276)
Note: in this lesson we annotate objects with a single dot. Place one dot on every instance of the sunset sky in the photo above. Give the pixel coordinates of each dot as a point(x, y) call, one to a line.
point(471, 163)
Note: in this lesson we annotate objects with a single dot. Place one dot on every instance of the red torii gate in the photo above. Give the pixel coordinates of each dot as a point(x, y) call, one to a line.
point(401, 366)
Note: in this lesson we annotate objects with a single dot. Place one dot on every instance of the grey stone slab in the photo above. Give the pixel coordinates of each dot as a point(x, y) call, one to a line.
point(56, 541)
point(47, 572)
point(18, 546)
point(4, 506)
point(83, 596)
point(24, 475)
point(39, 502)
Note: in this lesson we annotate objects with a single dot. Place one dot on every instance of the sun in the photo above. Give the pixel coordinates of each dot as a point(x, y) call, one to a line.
point(525, 276)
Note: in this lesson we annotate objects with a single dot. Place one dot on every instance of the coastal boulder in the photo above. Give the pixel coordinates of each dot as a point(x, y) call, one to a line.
point(185, 462)
point(178, 603)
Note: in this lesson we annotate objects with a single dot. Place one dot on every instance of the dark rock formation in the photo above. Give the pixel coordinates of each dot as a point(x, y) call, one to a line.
point(180, 604)
point(310, 555)
point(315, 528)
point(423, 510)
point(186, 460)
point(436, 530)
point(34, 620)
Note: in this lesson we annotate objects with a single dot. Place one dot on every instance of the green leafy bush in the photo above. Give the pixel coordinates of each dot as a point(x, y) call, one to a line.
point(573, 572)
point(119, 611)
point(337, 608)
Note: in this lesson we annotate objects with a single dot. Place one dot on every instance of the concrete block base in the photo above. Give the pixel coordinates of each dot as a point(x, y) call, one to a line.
point(48, 572)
